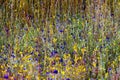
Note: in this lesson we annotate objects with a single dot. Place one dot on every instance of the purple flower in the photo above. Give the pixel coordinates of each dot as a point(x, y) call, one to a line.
point(5, 59)
point(48, 31)
point(12, 55)
point(61, 31)
point(62, 47)
point(68, 79)
point(58, 15)
point(112, 14)
point(6, 76)
point(8, 70)
point(0, 56)
point(109, 69)
point(99, 26)
point(53, 53)
point(47, 73)
point(65, 43)
point(43, 51)
point(42, 30)
point(38, 54)
point(36, 59)
point(55, 71)
point(31, 53)
point(107, 39)
point(73, 62)
point(82, 16)
point(61, 60)
point(73, 36)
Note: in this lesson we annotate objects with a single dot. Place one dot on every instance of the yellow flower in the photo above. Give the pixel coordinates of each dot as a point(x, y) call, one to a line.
point(77, 58)
point(35, 39)
point(63, 72)
point(3, 46)
point(84, 69)
point(52, 68)
point(30, 49)
point(25, 71)
point(66, 30)
point(106, 75)
point(66, 56)
point(54, 40)
point(21, 66)
point(57, 58)
point(36, 53)
point(68, 68)
point(3, 72)
point(74, 20)
point(53, 16)
point(118, 3)
point(119, 58)
point(82, 24)
point(51, 31)
point(26, 57)
point(89, 33)
point(38, 77)
point(75, 47)
point(83, 50)
point(2, 67)
point(94, 64)
point(28, 77)
point(16, 49)
point(51, 25)
point(15, 65)
point(21, 52)
point(100, 40)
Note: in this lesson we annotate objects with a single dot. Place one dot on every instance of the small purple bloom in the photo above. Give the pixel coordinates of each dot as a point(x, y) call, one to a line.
point(58, 15)
point(99, 26)
point(53, 52)
point(73, 62)
point(47, 73)
point(67, 79)
point(55, 71)
point(44, 38)
point(61, 60)
point(42, 30)
point(12, 55)
point(36, 59)
point(62, 47)
point(31, 53)
point(112, 14)
point(0, 56)
point(109, 69)
point(83, 17)
point(43, 21)
point(5, 59)
point(6, 76)
point(8, 70)
point(38, 54)
point(48, 31)
point(65, 43)
point(73, 36)
point(101, 47)
point(61, 31)
point(43, 51)
point(107, 38)
point(64, 64)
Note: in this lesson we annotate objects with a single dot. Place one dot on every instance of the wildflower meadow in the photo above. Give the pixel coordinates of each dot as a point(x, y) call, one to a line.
point(59, 39)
